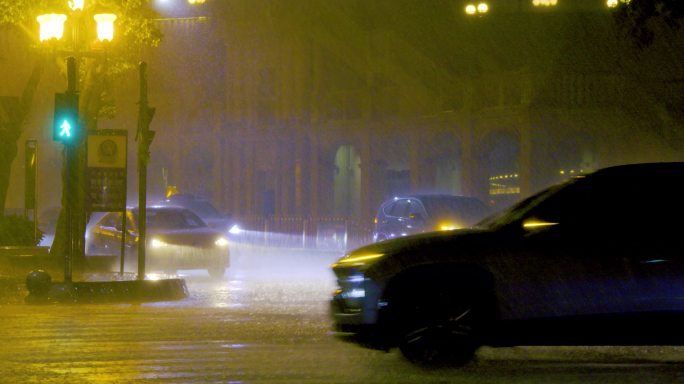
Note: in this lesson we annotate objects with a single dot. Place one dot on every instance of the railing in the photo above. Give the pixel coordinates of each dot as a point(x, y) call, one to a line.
point(296, 232)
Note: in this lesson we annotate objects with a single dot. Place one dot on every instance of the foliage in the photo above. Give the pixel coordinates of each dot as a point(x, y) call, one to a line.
point(135, 29)
point(18, 231)
point(641, 18)
point(99, 70)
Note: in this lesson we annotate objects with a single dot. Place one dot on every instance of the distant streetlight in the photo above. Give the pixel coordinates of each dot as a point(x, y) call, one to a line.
point(479, 9)
point(544, 3)
point(615, 3)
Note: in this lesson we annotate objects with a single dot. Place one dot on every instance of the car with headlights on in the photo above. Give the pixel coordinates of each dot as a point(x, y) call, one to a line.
point(407, 215)
point(176, 238)
point(595, 260)
point(204, 209)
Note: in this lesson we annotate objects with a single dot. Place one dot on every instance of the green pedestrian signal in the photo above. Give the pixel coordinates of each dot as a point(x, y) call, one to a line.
point(65, 127)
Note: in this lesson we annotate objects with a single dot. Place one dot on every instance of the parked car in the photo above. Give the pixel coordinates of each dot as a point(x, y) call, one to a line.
point(204, 209)
point(406, 215)
point(176, 238)
point(595, 260)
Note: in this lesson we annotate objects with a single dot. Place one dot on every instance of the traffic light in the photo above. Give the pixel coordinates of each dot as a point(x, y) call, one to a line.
point(65, 127)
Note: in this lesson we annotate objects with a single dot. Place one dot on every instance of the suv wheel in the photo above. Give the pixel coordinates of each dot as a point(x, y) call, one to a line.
point(441, 324)
point(440, 340)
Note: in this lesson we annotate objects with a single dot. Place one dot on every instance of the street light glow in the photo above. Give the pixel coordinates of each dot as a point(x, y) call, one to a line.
point(76, 5)
point(51, 26)
point(472, 9)
point(615, 3)
point(105, 26)
point(545, 3)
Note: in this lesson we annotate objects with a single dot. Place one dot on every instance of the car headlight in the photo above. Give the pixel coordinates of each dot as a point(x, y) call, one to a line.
point(221, 242)
point(235, 229)
point(156, 243)
point(448, 226)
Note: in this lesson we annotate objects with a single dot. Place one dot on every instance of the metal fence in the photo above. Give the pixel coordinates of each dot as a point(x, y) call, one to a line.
point(297, 232)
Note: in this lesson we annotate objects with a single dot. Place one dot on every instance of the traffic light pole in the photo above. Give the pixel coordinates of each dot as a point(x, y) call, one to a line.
point(144, 138)
point(70, 151)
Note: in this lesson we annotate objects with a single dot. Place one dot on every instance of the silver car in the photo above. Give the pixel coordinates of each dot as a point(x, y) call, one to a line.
point(176, 238)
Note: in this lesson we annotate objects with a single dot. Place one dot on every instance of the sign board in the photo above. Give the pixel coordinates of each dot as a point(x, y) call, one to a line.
point(106, 170)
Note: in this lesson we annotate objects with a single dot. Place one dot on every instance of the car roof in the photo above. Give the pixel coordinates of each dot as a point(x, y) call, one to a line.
point(185, 197)
point(642, 168)
point(432, 196)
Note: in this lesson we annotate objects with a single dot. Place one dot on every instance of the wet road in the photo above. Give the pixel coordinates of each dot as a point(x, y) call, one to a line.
point(266, 322)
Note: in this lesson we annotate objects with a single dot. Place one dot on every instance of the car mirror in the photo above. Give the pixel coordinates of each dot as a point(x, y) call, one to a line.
point(416, 217)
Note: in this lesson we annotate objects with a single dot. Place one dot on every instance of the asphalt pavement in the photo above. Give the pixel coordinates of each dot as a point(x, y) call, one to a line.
point(267, 322)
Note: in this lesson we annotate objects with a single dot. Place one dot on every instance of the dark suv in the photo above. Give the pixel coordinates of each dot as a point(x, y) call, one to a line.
point(406, 215)
point(597, 260)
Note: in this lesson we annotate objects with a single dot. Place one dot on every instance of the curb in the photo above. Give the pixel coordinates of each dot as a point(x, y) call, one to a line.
point(43, 291)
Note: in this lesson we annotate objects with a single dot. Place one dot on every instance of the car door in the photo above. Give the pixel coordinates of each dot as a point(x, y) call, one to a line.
point(106, 235)
point(561, 260)
point(653, 232)
point(417, 218)
point(397, 219)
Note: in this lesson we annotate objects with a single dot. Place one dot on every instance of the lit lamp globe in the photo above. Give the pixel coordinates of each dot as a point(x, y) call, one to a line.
point(51, 26)
point(105, 26)
point(76, 5)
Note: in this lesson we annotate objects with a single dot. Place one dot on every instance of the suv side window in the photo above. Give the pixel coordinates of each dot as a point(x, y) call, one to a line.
point(416, 209)
point(400, 208)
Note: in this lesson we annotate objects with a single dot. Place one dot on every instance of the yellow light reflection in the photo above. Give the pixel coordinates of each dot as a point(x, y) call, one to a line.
point(358, 258)
point(534, 223)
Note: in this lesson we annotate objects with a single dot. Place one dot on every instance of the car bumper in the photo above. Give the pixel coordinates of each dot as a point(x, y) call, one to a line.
point(183, 257)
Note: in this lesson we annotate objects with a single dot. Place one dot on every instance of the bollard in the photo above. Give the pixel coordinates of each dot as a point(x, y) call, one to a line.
point(38, 284)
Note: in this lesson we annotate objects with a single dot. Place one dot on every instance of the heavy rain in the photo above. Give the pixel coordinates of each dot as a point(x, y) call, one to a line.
point(270, 138)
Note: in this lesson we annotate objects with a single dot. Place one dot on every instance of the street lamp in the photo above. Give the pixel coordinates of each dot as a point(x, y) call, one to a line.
point(544, 3)
point(615, 3)
point(52, 24)
point(105, 26)
point(76, 5)
point(479, 9)
point(68, 125)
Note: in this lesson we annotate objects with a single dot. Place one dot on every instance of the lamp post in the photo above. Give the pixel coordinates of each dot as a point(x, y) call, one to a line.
point(70, 131)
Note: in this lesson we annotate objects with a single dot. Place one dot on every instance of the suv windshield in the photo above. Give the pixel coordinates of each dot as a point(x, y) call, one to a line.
point(171, 219)
point(518, 210)
point(464, 207)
